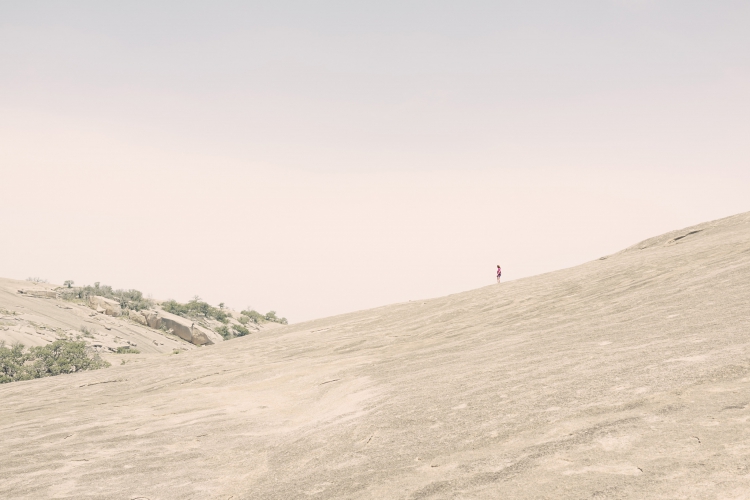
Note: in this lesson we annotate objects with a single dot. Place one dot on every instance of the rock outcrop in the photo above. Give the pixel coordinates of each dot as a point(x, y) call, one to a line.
point(152, 319)
point(184, 328)
point(107, 306)
point(202, 335)
point(138, 317)
point(38, 292)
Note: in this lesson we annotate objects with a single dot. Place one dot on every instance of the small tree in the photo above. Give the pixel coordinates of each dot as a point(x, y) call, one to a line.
point(68, 283)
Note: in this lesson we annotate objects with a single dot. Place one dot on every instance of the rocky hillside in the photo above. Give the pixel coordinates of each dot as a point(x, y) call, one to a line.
point(38, 313)
point(626, 377)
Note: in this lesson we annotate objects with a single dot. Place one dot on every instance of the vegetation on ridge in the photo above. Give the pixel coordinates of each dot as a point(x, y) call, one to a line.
point(195, 307)
point(128, 299)
point(57, 358)
point(257, 317)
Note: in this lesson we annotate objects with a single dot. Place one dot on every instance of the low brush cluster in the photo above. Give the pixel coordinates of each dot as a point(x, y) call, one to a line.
point(57, 358)
point(128, 299)
point(195, 307)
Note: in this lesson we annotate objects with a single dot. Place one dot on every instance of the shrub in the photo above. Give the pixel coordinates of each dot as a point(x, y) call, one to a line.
point(253, 316)
point(224, 332)
point(271, 316)
point(240, 331)
point(37, 279)
point(195, 307)
point(256, 317)
point(127, 350)
point(12, 361)
point(128, 299)
point(174, 307)
point(59, 357)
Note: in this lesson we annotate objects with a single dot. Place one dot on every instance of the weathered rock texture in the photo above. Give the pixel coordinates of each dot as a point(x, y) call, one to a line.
point(38, 292)
point(107, 306)
point(184, 328)
point(35, 321)
point(152, 319)
point(622, 378)
point(138, 317)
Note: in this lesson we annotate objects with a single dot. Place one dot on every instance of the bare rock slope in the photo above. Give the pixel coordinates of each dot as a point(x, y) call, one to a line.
point(33, 314)
point(626, 377)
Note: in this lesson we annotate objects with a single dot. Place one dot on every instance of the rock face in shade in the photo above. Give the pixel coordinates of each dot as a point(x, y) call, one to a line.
point(625, 378)
point(202, 336)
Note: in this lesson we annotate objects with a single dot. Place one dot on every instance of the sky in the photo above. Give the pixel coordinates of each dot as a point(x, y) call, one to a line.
point(321, 157)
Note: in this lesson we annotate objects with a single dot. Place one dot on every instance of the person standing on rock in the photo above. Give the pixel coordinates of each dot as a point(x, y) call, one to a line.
point(499, 273)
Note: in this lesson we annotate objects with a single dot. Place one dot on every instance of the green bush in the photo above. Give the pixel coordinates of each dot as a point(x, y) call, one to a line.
point(128, 299)
point(271, 316)
point(195, 307)
point(174, 307)
point(224, 332)
point(240, 331)
point(127, 350)
point(12, 362)
point(59, 357)
point(253, 316)
point(256, 317)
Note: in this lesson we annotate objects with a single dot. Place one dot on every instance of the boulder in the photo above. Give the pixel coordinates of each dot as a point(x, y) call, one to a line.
point(152, 319)
point(202, 336)
point(184, 328)
point(137, 317)
point(109, 306)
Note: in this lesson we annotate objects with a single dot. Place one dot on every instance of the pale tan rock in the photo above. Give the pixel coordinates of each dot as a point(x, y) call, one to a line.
point(620, 378)
point(184, 328)
point(109, 306)
point(137, 317)
point(69, 316)
point(202, 336)
point(152, 319)
point(38, 292)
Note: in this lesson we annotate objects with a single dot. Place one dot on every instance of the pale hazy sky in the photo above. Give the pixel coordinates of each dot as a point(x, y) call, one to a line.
point(323, 157)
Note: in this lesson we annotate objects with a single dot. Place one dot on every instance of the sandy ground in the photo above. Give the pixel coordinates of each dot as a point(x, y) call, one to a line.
point(627, 377)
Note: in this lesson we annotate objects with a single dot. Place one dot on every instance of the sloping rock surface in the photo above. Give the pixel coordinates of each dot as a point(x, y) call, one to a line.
point(38, 292)
point(627, 377)
point(36, 319)
point(184, 328)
